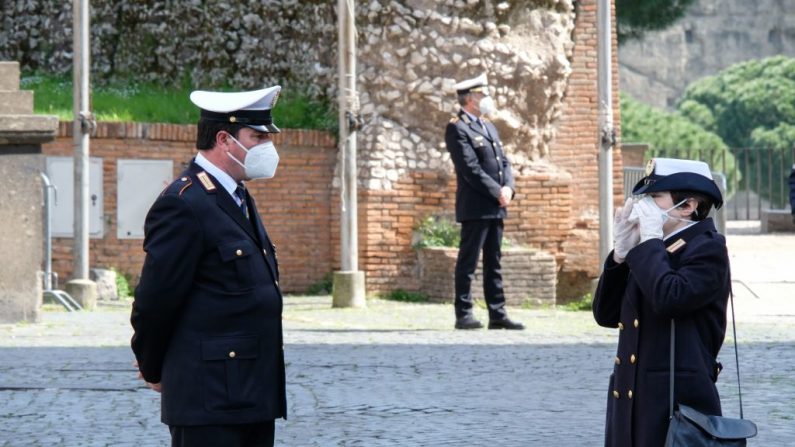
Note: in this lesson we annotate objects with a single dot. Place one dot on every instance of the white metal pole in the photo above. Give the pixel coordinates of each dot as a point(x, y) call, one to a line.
point(606, 132)
point(349, 282)
point(81, 64)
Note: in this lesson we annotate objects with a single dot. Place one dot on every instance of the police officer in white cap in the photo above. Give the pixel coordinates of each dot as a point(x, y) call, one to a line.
point(207, 310)
point(485, 188)
point(669, 263)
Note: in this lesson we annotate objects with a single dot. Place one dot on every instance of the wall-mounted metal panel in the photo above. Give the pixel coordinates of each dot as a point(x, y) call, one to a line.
point(139, 182)
point(61, 172)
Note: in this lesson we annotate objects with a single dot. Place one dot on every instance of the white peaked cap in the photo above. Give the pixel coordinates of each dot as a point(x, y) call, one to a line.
point(668, 166)
point(251, 108)
point(472, 85)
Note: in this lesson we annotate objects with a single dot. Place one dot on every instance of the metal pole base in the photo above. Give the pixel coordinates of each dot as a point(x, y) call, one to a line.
point(349, 289)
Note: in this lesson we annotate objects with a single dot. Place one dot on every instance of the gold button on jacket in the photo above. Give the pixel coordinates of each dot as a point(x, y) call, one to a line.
point(232, 354)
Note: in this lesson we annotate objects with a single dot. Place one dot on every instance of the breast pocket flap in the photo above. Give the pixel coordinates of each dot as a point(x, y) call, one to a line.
point(230, 349)
point(235, 250)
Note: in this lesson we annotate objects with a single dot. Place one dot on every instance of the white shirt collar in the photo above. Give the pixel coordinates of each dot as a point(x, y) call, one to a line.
point(473, 117)
point(223, 178)
point(679, 231)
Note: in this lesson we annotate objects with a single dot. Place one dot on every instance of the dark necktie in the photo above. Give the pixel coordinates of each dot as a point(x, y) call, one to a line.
point(240, 192)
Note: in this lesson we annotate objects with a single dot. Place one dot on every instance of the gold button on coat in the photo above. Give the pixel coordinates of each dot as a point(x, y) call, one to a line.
point(239, 252)
point(632, 359)
point(232, 354)
point(629, 394)
point(618, 361)
point(277, 283)
point(615, 394)
point(636, 322)
point(620, 326)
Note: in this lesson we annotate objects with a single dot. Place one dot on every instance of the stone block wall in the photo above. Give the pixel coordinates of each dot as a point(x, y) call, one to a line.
point(295, 205)
point(529, 276)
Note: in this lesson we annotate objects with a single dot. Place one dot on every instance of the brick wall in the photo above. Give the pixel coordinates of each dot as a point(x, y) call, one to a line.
point(576, 149)
point(529, 276)
point(295, 205)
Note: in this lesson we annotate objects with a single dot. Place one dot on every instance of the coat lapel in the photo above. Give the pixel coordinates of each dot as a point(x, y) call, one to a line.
point(225, 201)
point(263, 236)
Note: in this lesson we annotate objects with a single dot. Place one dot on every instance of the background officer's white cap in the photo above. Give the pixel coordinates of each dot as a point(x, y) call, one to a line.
point(673, 174)
point(251, 109)
point(478, 84)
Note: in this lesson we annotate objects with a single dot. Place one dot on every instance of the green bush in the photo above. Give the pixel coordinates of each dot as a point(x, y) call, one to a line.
point(405, 296)
point(123, 288)
point(437, 232)
point(322, 287)
point(584, 303)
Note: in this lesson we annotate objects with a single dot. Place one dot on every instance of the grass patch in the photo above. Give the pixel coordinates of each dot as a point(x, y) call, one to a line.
point(405, 296)
point(584, 303)
point(152, 103)
point(322, 287)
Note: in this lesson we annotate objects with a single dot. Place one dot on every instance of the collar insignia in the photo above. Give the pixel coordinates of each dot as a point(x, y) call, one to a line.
point(676, 246)
point(204, 179)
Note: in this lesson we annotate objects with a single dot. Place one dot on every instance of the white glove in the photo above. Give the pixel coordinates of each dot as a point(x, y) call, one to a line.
point(625, 233)
point(650, 217)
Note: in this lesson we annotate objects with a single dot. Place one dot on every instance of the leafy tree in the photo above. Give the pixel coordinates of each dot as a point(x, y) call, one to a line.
point(751, 97)
point(673, 135)
point(635, 17)
point(751, 105)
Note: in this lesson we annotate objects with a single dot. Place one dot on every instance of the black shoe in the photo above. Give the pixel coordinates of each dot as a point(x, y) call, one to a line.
point(468, 322)
point(506, 323)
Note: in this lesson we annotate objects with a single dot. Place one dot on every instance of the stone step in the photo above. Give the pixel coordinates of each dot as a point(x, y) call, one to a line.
point(18, 102)
point(9, 76)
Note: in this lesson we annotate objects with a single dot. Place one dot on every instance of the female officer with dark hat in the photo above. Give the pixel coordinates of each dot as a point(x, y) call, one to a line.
point(669, 262)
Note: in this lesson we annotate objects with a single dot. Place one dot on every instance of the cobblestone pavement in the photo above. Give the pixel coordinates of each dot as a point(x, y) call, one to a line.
point(395, 374)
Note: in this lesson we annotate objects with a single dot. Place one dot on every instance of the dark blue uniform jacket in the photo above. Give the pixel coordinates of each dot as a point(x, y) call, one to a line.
point(687, 278)
point(207, 309)
point(481, 168)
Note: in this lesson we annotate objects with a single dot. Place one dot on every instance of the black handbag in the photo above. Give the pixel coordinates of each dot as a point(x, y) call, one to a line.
point(691, 428)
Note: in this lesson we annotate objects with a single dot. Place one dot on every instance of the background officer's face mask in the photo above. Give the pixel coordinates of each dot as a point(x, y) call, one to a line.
point(486, 105)
point(261, 160)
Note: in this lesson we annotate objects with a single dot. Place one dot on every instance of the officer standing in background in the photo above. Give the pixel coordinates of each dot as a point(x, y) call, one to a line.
point(207, 310)
point(484, 190)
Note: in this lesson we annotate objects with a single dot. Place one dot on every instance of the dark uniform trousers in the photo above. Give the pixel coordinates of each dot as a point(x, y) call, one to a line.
point(245, 435)
point(485, 234)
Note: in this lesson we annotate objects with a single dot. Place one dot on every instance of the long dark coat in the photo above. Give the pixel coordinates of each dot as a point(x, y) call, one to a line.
point(481, 168)
point(686, 277)
point(207, 309)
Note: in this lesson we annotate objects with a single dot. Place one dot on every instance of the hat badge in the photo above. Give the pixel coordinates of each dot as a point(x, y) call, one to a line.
point(650, 167)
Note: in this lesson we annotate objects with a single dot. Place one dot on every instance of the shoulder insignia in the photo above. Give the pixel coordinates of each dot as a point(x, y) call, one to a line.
point(454, 119)
point(188, 182)
point(676, 246)
point(465, 118)
point(205, 181)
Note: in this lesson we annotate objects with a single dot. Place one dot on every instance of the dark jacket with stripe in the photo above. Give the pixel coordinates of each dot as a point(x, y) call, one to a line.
point(207, 309)
point(687, 278)
point(481, 168)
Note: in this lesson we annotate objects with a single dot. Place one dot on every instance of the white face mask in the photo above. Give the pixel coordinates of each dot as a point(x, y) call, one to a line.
point(633, 215)
point(486, 105)
point(261, 160)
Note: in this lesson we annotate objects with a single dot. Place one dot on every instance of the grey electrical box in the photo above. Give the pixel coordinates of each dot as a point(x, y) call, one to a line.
point(61, 171)
point(139, 182)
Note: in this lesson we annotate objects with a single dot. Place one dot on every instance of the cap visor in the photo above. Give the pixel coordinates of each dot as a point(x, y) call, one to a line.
point(265, 128)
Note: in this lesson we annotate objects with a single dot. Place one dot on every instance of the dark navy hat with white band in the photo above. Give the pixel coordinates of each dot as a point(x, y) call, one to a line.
point(251, 109)
point(672, 174)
